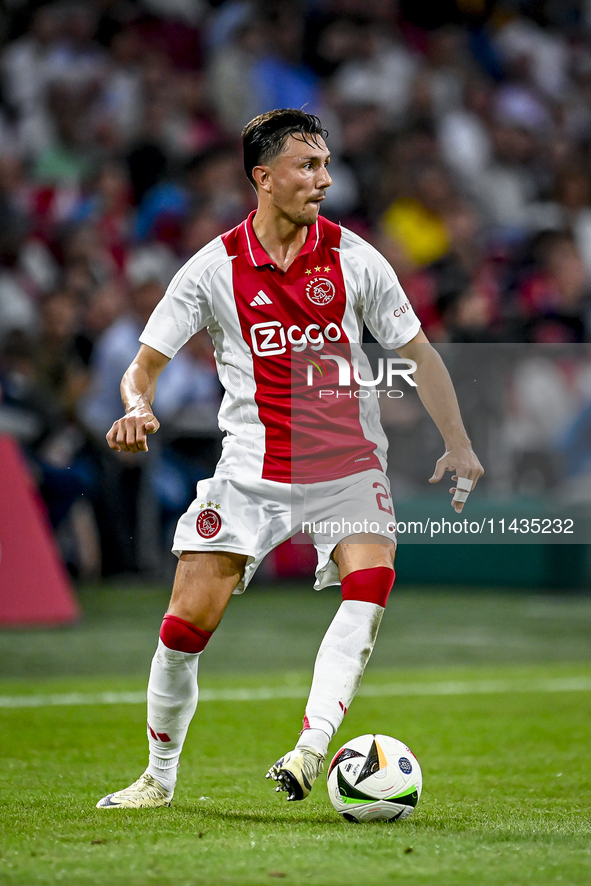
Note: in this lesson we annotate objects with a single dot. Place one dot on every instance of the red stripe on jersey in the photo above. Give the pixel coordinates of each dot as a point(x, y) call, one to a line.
point(307, 439)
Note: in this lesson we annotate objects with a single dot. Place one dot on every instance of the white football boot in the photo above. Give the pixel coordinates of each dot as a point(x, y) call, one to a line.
point(145, 793)
point(297, 771)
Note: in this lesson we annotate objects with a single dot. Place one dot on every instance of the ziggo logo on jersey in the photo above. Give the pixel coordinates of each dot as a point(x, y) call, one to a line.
point(270, 338)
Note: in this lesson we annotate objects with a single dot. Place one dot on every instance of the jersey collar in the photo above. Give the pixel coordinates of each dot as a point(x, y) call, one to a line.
point(256, 255)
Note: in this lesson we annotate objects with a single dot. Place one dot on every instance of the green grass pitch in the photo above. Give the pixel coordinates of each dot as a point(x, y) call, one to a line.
point(491, 691)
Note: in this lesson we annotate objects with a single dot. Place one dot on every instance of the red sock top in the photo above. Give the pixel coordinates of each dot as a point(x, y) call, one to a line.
point(369, 585)
point(176, 633)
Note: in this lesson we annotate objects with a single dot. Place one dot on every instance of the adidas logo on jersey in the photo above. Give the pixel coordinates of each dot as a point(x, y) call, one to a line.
point(261, 298)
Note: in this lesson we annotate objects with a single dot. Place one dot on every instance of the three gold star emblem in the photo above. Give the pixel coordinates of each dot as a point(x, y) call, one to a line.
point(317, 269)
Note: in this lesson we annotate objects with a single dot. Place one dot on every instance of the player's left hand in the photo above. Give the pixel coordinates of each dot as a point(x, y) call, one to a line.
point(462, 460)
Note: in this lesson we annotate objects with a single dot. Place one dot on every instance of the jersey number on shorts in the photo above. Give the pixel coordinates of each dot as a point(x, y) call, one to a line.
point(383, 498)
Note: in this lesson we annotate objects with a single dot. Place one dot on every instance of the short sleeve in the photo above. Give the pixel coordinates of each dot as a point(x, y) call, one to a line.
point(183, 310)
point(385, 307)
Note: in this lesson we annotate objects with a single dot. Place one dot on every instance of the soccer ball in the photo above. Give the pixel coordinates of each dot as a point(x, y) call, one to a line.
point(374, 778)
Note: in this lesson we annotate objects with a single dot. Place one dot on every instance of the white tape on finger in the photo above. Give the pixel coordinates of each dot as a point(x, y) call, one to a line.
point(465, 484)
point(460, 495)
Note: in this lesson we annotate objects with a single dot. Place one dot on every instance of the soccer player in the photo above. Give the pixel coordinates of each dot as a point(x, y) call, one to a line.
point(285, 285)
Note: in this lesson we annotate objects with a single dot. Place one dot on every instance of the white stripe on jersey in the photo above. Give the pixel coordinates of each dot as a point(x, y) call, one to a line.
point(317, 234)
point(249, 244)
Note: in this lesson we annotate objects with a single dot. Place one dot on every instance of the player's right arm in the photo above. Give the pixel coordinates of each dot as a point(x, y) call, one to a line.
point(138, 388)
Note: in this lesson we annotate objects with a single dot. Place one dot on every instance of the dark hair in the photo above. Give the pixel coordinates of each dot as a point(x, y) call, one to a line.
point(264, 137)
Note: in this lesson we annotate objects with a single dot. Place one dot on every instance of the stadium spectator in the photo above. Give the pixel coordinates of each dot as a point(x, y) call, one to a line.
point(279, 77)
point(230, 71)
point(379, 72)
point(554, 298)
point(105, 204)
point(188, 396)
point(417, 218)
point(42, 376)
point(25, 80)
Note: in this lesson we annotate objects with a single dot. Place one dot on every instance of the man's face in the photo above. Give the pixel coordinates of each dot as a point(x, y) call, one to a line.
point(298, 178)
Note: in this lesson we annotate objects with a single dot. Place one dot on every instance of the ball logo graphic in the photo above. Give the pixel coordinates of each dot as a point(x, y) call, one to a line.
point(405, 765)
point(320, 290)
point(209, 523)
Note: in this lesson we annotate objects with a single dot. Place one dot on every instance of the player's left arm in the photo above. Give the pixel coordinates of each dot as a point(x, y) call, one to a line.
point(436, 390)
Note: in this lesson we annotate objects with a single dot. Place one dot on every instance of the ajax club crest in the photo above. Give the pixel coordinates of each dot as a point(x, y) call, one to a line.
point(209, 522)
point(320, 290)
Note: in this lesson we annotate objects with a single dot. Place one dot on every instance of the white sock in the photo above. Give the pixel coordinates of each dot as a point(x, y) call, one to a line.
point(172, 701)
point(341, 660)
point(315, 739)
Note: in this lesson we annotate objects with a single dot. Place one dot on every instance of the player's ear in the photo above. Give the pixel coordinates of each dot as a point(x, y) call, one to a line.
point(262, 177)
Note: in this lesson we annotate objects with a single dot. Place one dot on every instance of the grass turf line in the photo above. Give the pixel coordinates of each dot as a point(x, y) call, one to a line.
point(507, 785)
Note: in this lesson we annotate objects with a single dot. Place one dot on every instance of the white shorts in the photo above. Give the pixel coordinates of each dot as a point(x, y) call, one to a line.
point(243, 516)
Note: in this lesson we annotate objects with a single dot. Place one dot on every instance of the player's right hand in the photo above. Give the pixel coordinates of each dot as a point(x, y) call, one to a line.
point(129, 434)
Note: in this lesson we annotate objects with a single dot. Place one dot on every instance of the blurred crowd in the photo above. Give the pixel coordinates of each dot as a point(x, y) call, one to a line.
point(461, 141)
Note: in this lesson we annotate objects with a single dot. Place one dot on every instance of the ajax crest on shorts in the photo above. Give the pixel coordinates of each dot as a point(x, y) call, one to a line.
point(208, 521)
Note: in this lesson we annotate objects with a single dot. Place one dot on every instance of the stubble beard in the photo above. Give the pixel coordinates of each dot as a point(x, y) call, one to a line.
point(305, 217)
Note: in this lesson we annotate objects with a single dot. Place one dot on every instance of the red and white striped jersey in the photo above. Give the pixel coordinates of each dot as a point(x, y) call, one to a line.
point(264, 323)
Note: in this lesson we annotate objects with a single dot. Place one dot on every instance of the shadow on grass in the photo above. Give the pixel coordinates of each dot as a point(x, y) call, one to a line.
point(285, 818)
